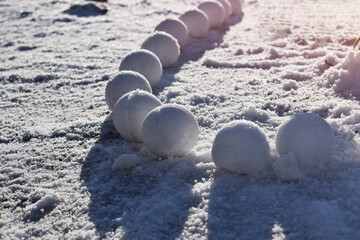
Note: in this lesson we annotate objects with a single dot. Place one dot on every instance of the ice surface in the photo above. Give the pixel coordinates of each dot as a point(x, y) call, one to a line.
point(130, 111)
point(196, 22)
point(164, 46)
point(170, 130)
point(175, 28)
point(241, 147)
point(309, 137)
point(122, 83)
point(145, 63)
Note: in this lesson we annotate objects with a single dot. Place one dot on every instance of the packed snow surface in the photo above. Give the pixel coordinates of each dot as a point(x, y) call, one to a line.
point(197, 22)
point(165, 46)
point(170, 130)
point(122, 83)
point(309, 137)
point(58, 142)
point(175, 28)
point(144, 62)
point(241, 147)
point(214, 11)
point(130, 111)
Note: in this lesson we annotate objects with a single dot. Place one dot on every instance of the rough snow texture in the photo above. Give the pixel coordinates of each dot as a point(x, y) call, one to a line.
point(56, 138)
point(175, 28)
point(214, 11)
point(125, 161)
point(309, 137)
point(130, 111)
point(145, 63)
point(164, 46)
point(286, 168)
point(122, 83)
point(241, 147)
point(170, 130)
point(196, 22)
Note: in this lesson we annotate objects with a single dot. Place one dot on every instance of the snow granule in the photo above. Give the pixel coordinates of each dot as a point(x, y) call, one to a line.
point(126, 161)
point(145, 63)
point(241, 147)
point(130, 111)
point(164, 46)
point(122, 83)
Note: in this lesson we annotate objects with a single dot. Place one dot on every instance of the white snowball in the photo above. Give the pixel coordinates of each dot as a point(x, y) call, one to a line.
point(170, 130)
point(175, 28)
point(227, 7)
point(122, 83)
point(130, 111)
point(236, 6)
point(125, 161)
point(164, 46)
point(197, 23)
point(215, 12)
point(145, 63)
point(287, 168)
point(241, 147)
point(309, 137)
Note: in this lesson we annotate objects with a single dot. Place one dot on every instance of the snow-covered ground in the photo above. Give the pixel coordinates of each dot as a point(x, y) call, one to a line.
point(58, 142)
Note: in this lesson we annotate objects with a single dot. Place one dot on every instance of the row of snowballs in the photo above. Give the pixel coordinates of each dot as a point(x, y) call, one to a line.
point(172, 130)
point(169, 129)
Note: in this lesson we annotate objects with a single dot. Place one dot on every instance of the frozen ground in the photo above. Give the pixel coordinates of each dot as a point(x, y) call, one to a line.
point(58, 143)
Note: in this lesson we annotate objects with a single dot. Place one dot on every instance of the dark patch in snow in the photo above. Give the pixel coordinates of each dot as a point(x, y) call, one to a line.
point(25, 14)
point(9, 44)
point(40, 35)
point(86, 10)
point(26, 48)
point(64, 20)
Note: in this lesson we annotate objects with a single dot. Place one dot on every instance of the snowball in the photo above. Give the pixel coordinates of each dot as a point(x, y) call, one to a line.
point(241, 147)
point(309, 137)
point(236, 6)
point(227, 7)
point(175, 28)
point(215, 12)
point(145, 63)
point(122, 83)
point(287, 168)
point(170, 130)
point(164, 46)
point(130, 111)
point(197, 22)
point(125, 161)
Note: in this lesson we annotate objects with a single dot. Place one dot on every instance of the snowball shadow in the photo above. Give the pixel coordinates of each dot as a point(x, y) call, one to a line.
point(150, 201)
point(239, 208)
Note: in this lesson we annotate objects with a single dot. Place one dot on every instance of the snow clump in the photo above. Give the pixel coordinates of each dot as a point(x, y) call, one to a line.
point(122, 83)
point(227, 7)
point(130, 111)
point(241, 147)
point(344, 77)
point(145, 63)
point(287, 169)
point(309, 137)
point(170, 130)
point(215, 12)
point(197, 23)
point(175, 28)
point(236, 6)
point(164, 46)
point(126, 161)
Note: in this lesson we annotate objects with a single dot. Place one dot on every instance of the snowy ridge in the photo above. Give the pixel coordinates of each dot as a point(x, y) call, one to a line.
point(58, 143)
